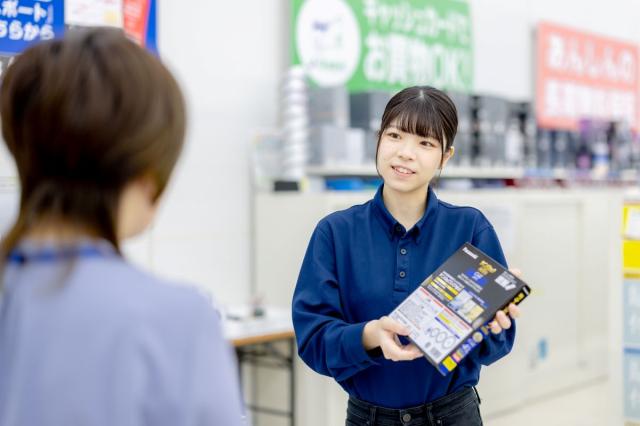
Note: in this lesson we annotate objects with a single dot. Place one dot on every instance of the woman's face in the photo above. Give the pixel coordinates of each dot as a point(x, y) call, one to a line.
point(408, 162)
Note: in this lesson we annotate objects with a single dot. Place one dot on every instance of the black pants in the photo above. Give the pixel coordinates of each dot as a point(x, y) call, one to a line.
point(458, 409)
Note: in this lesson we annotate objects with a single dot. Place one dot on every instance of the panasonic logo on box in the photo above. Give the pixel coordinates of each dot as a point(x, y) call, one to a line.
point(469, 252)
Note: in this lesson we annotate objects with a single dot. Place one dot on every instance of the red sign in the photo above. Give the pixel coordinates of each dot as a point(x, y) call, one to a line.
point(581, 75)
point(136, 14)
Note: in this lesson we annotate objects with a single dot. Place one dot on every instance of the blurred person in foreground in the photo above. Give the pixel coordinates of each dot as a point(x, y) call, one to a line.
point(95, 125)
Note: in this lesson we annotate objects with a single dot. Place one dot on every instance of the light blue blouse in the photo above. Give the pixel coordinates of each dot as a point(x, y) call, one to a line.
point(88, 339)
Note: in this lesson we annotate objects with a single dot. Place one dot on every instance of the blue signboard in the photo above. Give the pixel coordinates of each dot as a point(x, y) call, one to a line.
point(23, 22)
point(151, 41)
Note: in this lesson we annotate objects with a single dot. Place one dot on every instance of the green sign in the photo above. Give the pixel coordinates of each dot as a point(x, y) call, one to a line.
point(384, 44)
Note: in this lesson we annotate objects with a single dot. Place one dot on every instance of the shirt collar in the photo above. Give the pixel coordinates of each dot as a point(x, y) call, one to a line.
point(29, 249)
point(392, 226)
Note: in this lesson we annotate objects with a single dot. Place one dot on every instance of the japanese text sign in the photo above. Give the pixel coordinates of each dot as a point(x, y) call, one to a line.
point(140, 22)
point(23, 22)
point(384, 44)
point(581, 75)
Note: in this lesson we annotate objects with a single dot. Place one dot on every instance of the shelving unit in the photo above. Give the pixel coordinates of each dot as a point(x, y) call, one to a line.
point(369, 170)
point(631, 312)
point(468, 172)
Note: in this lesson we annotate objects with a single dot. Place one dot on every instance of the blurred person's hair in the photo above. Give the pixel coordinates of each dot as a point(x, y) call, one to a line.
point(83, 116)
point(424, 111)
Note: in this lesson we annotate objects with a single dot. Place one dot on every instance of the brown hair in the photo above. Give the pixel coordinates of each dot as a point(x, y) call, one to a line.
point(424, 111)
point(83, 116)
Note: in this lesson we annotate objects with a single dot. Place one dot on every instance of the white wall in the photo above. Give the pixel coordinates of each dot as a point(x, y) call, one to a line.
point(504, 35)
point(228, 57)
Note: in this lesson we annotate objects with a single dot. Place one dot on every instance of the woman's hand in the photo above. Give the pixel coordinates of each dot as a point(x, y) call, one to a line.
point(502, 321)
point(384, 333)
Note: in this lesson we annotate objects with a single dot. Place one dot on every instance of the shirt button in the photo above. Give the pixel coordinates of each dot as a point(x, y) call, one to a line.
point(406, 417)
point(403, 251)
point(398, 229)
point(403, 274)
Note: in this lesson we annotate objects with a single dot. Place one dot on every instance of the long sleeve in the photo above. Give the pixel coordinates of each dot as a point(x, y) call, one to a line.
point(494, 346)
point(326, 342)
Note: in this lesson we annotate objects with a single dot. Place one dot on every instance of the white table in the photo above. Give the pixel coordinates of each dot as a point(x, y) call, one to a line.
point(255, 338)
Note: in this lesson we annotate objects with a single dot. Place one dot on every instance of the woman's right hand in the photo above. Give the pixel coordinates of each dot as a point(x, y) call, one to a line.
point(384, 333)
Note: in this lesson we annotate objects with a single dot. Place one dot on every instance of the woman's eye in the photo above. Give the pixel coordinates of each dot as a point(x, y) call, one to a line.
point(427, 143)
point(393, 135)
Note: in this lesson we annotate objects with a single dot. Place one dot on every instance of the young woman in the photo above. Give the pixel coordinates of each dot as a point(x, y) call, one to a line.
point(95, 125)
point(363, 261)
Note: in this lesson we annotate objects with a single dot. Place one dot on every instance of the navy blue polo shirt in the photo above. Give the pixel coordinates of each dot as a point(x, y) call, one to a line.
point(360, 264)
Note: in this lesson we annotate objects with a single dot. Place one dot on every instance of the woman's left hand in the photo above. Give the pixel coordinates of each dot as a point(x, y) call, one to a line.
point(502, 321)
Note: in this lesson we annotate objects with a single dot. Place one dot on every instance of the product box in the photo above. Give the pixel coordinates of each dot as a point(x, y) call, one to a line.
point(529, 128)
point(491, 117)
point(514, 143)
point(366, 109)
point(447, 315)
point(562, 149)
point(329, 106)
point(333, 145)
point(464, 137)
point(370, 146)
point(544, 149)
point(620, 140)
point(634, 152)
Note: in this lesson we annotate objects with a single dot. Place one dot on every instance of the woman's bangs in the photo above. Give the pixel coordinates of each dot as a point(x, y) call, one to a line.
point(418, 119)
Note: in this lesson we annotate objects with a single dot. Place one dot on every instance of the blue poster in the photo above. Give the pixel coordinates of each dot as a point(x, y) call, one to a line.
point(24, 22)
point(151, 41)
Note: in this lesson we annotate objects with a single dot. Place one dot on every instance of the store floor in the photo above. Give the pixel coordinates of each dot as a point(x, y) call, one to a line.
point(585, 406)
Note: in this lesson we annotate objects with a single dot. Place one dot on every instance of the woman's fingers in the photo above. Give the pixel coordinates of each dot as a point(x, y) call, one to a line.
point(514, 310)
point(413, 350)
point(501, 322)
point(392, 349)
point(389, 324)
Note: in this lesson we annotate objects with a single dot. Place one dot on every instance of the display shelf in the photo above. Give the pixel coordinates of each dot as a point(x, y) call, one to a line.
point(468, 172)
point(365, 170)
point(369, 170)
